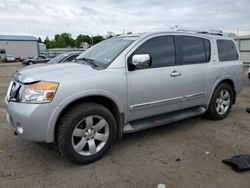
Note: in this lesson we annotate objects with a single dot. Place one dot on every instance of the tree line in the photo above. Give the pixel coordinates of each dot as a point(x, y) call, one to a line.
point(65, 40)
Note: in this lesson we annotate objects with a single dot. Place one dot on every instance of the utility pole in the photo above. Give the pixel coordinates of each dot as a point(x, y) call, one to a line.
point(92, 41)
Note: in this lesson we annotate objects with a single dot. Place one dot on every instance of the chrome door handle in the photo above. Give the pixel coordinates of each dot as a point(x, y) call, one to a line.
point(175, 73)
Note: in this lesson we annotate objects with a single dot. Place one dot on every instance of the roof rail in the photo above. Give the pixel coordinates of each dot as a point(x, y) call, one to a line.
point(210, 32)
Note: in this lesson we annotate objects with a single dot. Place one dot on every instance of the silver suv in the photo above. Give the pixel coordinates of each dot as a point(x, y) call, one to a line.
point(122, 85)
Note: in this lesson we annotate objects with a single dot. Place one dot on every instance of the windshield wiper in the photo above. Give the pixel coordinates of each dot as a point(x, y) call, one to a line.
point(89, 61)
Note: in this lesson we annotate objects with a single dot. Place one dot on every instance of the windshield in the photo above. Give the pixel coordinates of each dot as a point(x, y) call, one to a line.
point(57, 59)
point(103, 53)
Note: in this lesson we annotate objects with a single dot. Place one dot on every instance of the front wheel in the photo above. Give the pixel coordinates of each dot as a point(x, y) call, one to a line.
point(221, 102)
point(86, 132)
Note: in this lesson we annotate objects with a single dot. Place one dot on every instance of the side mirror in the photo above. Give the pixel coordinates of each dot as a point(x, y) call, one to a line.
point(141, 61)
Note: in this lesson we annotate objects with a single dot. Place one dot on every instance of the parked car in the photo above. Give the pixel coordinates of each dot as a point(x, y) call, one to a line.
point(123, 85)
point(2, 54)
point(65, 57)
point(62, 58)
point(35, 60)
point(23, 58)
point(9, 58)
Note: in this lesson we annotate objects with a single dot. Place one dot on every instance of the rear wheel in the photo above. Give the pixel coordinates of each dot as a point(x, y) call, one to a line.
point(86, 132)
point(30, 63)
point(221, 102)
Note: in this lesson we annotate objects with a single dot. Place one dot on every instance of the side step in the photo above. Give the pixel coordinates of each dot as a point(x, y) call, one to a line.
point(162, 119)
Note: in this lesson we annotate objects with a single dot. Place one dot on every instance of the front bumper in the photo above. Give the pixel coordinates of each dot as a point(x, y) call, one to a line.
point(30, 121)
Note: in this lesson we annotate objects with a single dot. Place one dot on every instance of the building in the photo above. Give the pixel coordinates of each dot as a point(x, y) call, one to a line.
point(84, 45)
point(19, 45)
point(244, 47)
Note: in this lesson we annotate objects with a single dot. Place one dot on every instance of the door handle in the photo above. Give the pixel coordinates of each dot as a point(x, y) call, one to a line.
point(175, 73)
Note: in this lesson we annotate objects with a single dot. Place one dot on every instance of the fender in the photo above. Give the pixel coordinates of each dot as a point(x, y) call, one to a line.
point(217, 82)
point(70, 99)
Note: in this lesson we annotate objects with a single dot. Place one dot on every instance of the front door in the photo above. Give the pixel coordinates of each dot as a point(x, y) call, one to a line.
point(157, 89)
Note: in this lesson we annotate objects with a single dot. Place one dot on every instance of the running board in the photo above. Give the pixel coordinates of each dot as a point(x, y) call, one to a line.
point(162, 119)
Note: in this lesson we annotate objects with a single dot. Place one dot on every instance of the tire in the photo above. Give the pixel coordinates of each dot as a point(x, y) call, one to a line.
point(221, 102)
point(30, 63)
point(80, 139)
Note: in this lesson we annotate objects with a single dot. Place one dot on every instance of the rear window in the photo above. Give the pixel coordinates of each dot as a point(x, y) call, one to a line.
point(227, 50)
point(195, 50)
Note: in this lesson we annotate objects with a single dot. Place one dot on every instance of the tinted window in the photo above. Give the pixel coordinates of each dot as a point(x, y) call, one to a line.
point(227, 50)
point(70, 58)
point(195, 50)
point(161, 49)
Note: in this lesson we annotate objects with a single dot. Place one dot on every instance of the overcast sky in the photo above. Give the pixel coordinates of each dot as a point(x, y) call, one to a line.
point(49, 17)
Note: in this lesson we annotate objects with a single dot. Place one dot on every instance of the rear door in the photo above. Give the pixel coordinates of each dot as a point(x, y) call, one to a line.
point(198, 69)
point(158, 89)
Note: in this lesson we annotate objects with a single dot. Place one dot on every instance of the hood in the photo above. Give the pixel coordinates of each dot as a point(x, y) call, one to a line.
point(54, 72)
point(32, 66)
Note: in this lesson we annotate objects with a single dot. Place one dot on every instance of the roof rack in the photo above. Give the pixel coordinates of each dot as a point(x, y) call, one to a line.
point(210, 32)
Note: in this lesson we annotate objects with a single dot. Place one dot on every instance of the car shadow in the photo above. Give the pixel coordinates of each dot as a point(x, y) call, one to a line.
point(128, 140)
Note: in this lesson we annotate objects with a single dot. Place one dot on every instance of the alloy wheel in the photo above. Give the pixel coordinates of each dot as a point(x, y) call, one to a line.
point(90, 135)
point(223, 102)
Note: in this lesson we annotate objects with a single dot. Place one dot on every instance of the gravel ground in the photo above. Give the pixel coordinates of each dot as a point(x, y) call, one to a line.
point(183, 154)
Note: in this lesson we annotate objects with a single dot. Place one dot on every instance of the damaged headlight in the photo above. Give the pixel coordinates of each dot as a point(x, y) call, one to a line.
point(39, 92)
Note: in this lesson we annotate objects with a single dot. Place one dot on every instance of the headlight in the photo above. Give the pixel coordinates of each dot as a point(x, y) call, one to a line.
point(40, 92)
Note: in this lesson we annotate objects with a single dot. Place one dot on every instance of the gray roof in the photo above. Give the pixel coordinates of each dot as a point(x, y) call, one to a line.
point(17, 38)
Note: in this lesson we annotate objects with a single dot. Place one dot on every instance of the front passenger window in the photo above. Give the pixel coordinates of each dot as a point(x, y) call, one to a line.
point(161, 50)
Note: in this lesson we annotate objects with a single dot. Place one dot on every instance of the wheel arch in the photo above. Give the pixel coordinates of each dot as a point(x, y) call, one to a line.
point(227, 81)
point(107, 102)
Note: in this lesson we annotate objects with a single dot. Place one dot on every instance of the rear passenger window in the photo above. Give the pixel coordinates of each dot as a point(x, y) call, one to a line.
point(161, 49)
point(227, 50)
point(195, 50)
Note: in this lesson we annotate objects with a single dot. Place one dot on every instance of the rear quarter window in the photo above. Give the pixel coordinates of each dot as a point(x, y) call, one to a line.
point(227, 50)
